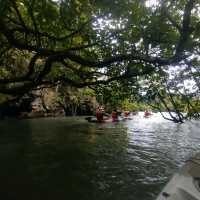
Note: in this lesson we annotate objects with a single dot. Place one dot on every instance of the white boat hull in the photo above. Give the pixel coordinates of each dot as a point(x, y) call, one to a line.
point(185, 184)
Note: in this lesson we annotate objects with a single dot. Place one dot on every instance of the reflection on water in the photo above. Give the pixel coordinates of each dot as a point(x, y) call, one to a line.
point(68, 158)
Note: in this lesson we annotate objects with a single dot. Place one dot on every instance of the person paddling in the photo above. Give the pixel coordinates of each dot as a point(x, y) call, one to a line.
point(126, 113)
point(99, 114)
point(147, 113)
point(114, 116)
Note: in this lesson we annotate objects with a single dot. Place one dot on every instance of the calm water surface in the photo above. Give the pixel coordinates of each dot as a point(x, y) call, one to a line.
point(68, 158)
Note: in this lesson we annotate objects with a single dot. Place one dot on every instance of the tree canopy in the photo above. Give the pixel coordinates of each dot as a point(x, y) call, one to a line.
point(90, 42)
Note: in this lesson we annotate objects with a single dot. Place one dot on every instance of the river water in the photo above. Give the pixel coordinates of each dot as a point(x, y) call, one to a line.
point(71, 159)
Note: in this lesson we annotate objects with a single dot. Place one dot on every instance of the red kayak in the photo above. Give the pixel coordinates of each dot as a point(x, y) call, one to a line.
point(147, 114)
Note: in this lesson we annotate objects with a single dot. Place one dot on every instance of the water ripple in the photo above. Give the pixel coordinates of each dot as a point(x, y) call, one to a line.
point(68, 158)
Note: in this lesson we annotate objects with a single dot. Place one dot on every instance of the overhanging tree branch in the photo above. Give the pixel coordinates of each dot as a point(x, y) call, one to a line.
point(15, 32)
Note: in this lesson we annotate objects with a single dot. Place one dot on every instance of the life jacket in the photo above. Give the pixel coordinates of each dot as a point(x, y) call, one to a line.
point(99, 116)
point(126, 113)
point(114, 116)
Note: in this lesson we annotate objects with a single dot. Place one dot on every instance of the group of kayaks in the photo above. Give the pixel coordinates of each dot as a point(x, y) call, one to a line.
point(130, 116)
point(94, 119)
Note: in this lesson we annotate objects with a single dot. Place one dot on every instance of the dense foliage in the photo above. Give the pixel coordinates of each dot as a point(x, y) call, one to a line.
point(150, 49)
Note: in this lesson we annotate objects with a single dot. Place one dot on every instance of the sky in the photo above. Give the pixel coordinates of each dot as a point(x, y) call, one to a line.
point(150, 3)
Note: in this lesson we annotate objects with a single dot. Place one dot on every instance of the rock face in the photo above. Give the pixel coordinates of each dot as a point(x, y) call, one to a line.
point(48, 103)
point(44, 105)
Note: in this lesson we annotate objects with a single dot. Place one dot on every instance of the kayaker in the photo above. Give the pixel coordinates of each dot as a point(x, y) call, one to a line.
point(147, 113)
point(99, 114)
point(114, 116)
point(126, 113)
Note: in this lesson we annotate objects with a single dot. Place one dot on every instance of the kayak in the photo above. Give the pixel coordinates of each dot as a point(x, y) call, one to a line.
point(185, 184)
point(147, 116)
point(94, 120)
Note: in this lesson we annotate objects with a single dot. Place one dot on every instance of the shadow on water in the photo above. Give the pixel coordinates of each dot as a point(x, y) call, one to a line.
point(48, 159)
point(15, 139)
point(68, 158)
